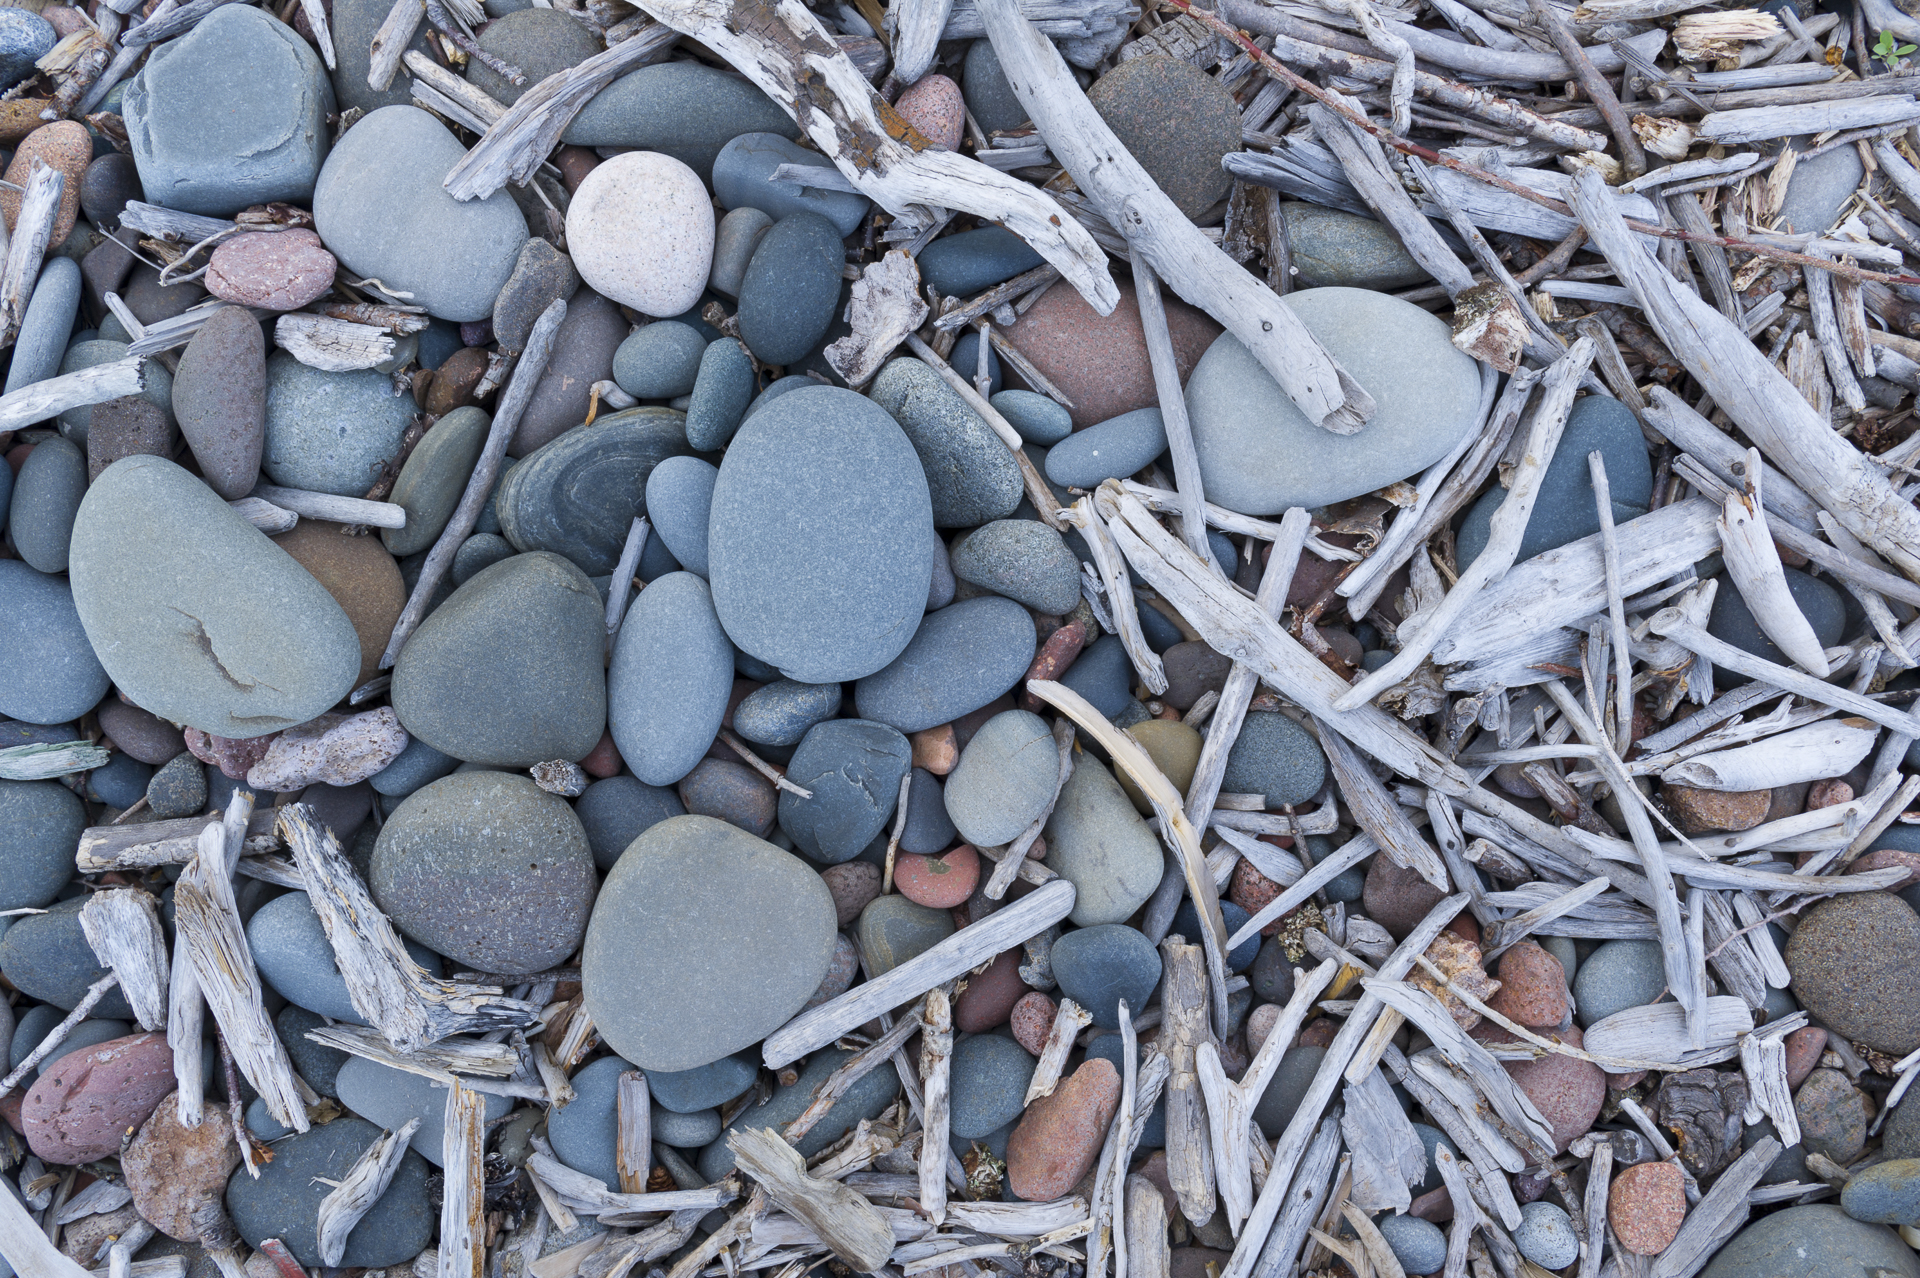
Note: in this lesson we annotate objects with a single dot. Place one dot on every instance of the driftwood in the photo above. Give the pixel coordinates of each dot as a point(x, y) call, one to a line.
point(463, 1232)
point(96, 385)
point(391, 40)
point(27, 247)
point(264, 515)
point(331, 345)
point(633, 1141)
point(852, 1070)
point(1183, 1030)
point(885, 307)
point(359, 1190)
point(122, 925)
point(936, 1072)
point(1068, 1020)
point(340, 510)
point(44, 761)
point(841, 1218)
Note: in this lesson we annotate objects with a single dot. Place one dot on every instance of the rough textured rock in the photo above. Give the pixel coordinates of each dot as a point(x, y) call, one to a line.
point(172, 1169)
point(970, 474)
point(1646, 1205)
point(81, 1104)
point(1848, 957)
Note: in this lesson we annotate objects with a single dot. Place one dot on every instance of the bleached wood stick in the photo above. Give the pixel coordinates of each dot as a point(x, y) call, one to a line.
point(852, 1070)
point(475, 101)
point(340, 510)
point(843, 1220)
point(186, 1014)
point(1753, 563)
point(1068, 1020)
point(264, 515)
point(1117, 1152)
point(1163, 236)
point(331, 345)
point(633, 1142)
point(1313, 1187)
point(58, 1034)
point(591, 1194)
point(359, 1190)
point(1420, 634)
point(1759, 124)
point(463, 1207)
point(1616, 605)
point(1377, 813)
point(936, 1072)
point(27, 1247)
point(1465, 1212)
point(1182, 1032)
point(916, 33)
point(122, 925)
point(1344, 858)
point(1717, 1215)
point(1465, 1124)
point(1145, 1231)
point(1173, 406)
point(1671, 625)
point(45, 760)
point(965, 949)
point(1503, 935)
point(513, 403)
point(1112, 568)
point(39, 206)
point(391, 41)
point(125, 847)
point(50, 398)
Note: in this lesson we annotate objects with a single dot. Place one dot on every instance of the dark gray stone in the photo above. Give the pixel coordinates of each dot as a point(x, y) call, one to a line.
point(684, 109)
point(1332, 249)
point(1276, 757)
point(354, 23)
point(686, 1131)
point(434, 477)
point(477, 554)
point(48, 323)
point(318, 1065)
point(680, 504)
point(781, 713)
point(961, 658)
point(330, 432)
point(893, 930)
point(1818, 189)
point(743, 177)
point(1732, 621)
point(1290, 1082)
point(414, 767)
point(539, 42)
point(1004, 780)
point(1112, 449)
point(1024, 560)
point(542, 274)
point(577, 496)
point(46, 498)
point(119, 783)
point(616, 811)
point(974, 261)
point(47, 957)
point(688, 1091)
point(1098, 966)
point(971, 476)
point(791, 291)
point(660, 360)
point(990, 1077)
point(1186, 922)
point(722, 390)
point(868, 1096)
point(1139, 97)
point(1103, 674)
point(586, 1133)
point(1038, 419)
point(283, 1203)
point(1097, 841)
point(668, 684)
point(929, 829)
point(51, 675)
point(40, 825)
point(989, 95)
point(178, 789)
point(853, 767)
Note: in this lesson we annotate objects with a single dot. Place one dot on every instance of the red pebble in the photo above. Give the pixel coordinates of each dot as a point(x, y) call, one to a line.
point(604, 759)
point(938, 882)
point(1033, 1021)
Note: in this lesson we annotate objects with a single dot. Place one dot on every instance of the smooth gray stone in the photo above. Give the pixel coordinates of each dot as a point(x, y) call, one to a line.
point(220, 400)
point(1885, 1194)
point(120, 783)
point(178, 788)
point(1277, 1104)
point(1112, 449)
point(540, 42)
point(894, 930)
point(508, 670)
point(25, 37)
point(853, 767)
point(330, 432)
point(75, 422)
point(1103, 674)
point(960, 658)
point(51, 675)
point(689, 1091)
point(1819, 188)
point(1546, 1236)
point(263, 1124)
point(6, 493)
point(1276, 757)
point(354, 23)
point(320, 1066)
point(1004, 780)
point(48, 323)
point(868, 1096)
point(284, 1202)
point(929, 829)
point(660, 360)
point(434, 478)
point(722, 390)
point(668, 684)
point(155, 553)
point(1024, 560)
point(231, 114)
point(38, 1021)
point(941, 589)
point(974, 261)
point(679, 505)
point(790, 293)
point(477, 554)
point(1097, 841)
point(743, 176)
point(684, 109)
point(40, 825)
point(577, 496)
point(390, 1097)
point(1618, 975)
point(583, 348)
point(989, 96)
point(1818, 1238)
point(586, 1134)
point(1038, 419)
point(815, 496)
point(781, 713)
point(686, 1131)
point(296, 959)
point(88, 1033)
point(616, 811)
point(1259, 454)
point(990, 1077)
point(453, 852)
point(381, 209)
point(971, 476)
point(1417, 1244)
point(412, 768)
point(1332, 249)
point(1098, 966)
point(734, 240)
point(46, 499)
point(47, 957)
point(542, 275)
point(744, 946)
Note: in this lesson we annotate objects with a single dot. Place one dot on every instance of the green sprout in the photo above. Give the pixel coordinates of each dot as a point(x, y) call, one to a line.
point(1890, 52)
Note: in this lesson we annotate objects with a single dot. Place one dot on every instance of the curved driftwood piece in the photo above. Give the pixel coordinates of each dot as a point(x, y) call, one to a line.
point(1190, 263)
point(781, 46)
point(917, 25)
point(360, 1189)
point(841, 1218)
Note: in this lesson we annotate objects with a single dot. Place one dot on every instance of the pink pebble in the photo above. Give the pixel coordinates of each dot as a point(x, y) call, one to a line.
point(938, 882)
point(936, 110)
point(1033, 1021)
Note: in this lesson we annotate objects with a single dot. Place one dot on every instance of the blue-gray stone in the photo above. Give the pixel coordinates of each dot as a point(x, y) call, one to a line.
point(734, 240)
point(816, 495)
point(1259, 454)
point(688, 1091)
point(434, 478)
point(1818, 1238)
point(1112, 449)
point(25, 38)
point(40, 825)
point(1332, 249)
point(894, 930)
point(1097, 842)
point(684, 109)
point(618, 810)
point(6, 493)
point(1819, 188)
point(941, 589)
point(1038, 419)
point(965, 359)
point(46, 499)
point(1618, 975)
point(781, 713)
point(1417, 1244)
point(686, 1131)
point(1546, 1236)
point(1004, 780)
point(1186, 922)
point(1731, 620)
point(743, 177)
point(320, 1066)
point(56, 298)
point(990, 1077)
point(791, 291)
point(853, 767)
point(539, 42)
point(988, 93)
point(868, 1096)
point(231, 114)
point(578, 494)
point(970, 474)
point(412, 768)
point(1276, 757)
point(1024, 560)
point(722, 389)
point(121, 782)
point(974, 261)
point(381, 209)
point(960, 658)
point(1155, 626)
point(660, 360)
point(586, 1133)
point(155, 553)
point(1350, 883)
point(179, 788)
point(261, 1122)
point(1885, 1194)
point(296, 959)
point(477, 554)
point(285, 1201)
point(51, 675)
point(1100, 965)
point(47, 957)
point(1565, 510)
point(680, 503)
point(1103, 674)
point(330, 432)
point(668, 684)
point(1431, 1138)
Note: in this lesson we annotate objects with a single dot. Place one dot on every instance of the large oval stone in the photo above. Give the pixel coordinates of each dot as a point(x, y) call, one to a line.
point(381, 208)
point(284, 1201)
point(1849, 958)
point(508, 670)
point(1004, 780)
point(791, 291)
point(687, 110)
point(1259, 454)
point(578, 495)
point(51, 675)
point(961, 658)
point(81, 1105)
point(220, 400)
point(158, 563)
point(1818, 1238)
point(704, 940)
point(488, 869)
point(1099, 843)
point(816, 495)
point(40, 824)
point(667, 688)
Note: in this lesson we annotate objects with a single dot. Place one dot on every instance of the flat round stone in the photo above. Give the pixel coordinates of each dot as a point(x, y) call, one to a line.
point(959, 659)
point(578, 495)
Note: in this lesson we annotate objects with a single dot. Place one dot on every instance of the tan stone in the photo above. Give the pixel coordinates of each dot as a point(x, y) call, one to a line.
point(1708, 811)
point(173, 1169)
point(360, 575)
point(935, 749)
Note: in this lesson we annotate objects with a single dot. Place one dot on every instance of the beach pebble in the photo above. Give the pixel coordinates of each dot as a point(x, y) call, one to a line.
point(1022, 559)
point(390, 1097)
point(743, 177)
point(1567, 1091)
point(706, 1086)
point(434, 478)
point(668, 683)
point(853, 769)
point(1098, 966)
point(1832, 1114)
point(780, 713)
point(332, 749)
point(732, 792)
point(722, 390)
point(790, 293)
point(1816, 1238)
point(1818, 189)
point(659, 361)
point(1546, 1236)
point(129, 426)
point(1276, 757)
point(1174, 748)
point(1038, 419)
point(687, 110)
point(278, 272)
point(970, 474)
point(48, 323)
point(640, 229)
point(541, 276)
point(958, 661)
point(974, 261)
point(144, 736)
point(329, 432)
point(577, 495)
point(220, 400)
point(1417, 1244)
point(1646, 1205)
point(46, 498)
point(1533, 987)
point(1731, 620)
point(734, 240)
point(1333, 249)
point(25, 37)
point(1884, 1194)
point(539, 42)
point(1139, 96)
point(1846, 958)
point(989, 95)
point(172, 1169)
point(894, 929)
point(1616, 976)
point(934, 107)
point(585, 1134)
point(179, 789)
point(1096, 841)
point(1112, 449)
point(1060, 1135)
point(1032, 1021)
point(990, 1077)
point(53, 676)
point(1099, 362)
point(583, 348)
point(852, 884)
point(284, 1201)
point(1004, 780)
point(294, 957)
point(65, 147)
point(990, 996)
point(81, 1105)
point(617, 810)
point(938, 882)
point(679, 505)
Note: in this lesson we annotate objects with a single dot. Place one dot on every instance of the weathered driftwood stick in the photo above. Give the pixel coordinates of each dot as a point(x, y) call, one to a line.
point(1037, 490)
point(1616, 604)
point(340, 510)
point(27, 1246)
point(1313, 1186)
point(96, 385)
point(1112, 570)
point(122, 925)
point(481, 104)
point(1162, 235)
point(1182, 1031)
point(1173, 407)
point(1669, 623)
point(411, 1009)
point(842, 1219)
point(936, 1073)
point(970, 946)
point(58, 1034)
point(1145, 1231)
point(39, 206)
point(519, 392)
point(917, 25)
point(633, 1142)
point(999, 295)
point(264, 515)
point(130, 847)
point(1068, 1020)
point(43, 761)
point(1494, 1083)
point(1717, 1215)
point(593, 1195)
point(182, 19)
point(1753, 563)
point(1344, 858)
point(1377, 812)
point(331, 345)
point(463, 1232)
point(1116, 1153)
point(851, 1071)
point(359, 1190)
point(391, 41)
point(186, 1015)
point(781, 46)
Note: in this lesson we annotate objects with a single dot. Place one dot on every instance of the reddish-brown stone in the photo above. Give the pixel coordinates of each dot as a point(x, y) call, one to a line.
point(1567, 1091)
point(935, 749)
point(66, 146)
point(1887, 858)
point(990, 997)
point(362, 578)
point(1646, 1206)
point(937, 882)
point(1436, 1206)
point(1804, 1047)
point(853, 885)
point(1397, 899)
point(1033, 1021)
point(1060, 1135)
point(574, 163)
point(454, 381)
point(1100, 362)
point(603, 760)
point(146, 737)
point(1320, 1032)
point(277, 270)
point(1253, 891)
point(1533, 988)
point(1830, 793)
point(1055, 655)
point(1709, 811)
point(172, 1170)
point(83, 1103)
point(234, 756)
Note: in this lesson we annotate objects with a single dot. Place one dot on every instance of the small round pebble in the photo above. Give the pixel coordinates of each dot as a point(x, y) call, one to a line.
point(1032, 1021)
point(990, 1077)
point(1417, 1244)
point(1038, 419)
point(1546, 1236)
point(640, 229)
point(939, 882)
point(1646, 1205)
point(659, 361)
point(1100, 965)
point(853, 884)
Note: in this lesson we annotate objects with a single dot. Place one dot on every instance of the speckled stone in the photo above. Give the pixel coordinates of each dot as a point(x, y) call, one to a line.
point(1038, 419)
point(63, 146)
point(1616, 976)
point(82, 1104)
point(220, 401)
point(1060, 1135)
point(542, 275)
point(1098, 842)
point(1817, 1238)
point(449, 870)
point(1646, 1205)
point(1004, 780)
point(1138, 97)
point(970, 474)
point(934, 107)
point(1417, 1244)
point(330, 432)
point(732, 792)
point(1022, 559)
point(284, 1201)
point(1276, 757)
point(279, 271)
point(959, 660)
point(779, 714)
point(1100, 965)
point(1847, 958)
point(179, 789)
point(989, 95)
point(1335, 249)
point(1567, 1091)
point(853, 768)
point(753, 935)
point(640, 229)
point(130, 426)
point(25, 37)
point(53, 675)
point(1884, 1194)
point(1832, 1114)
